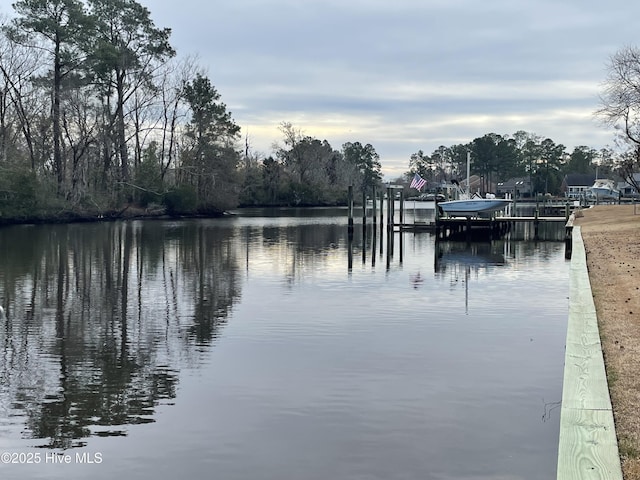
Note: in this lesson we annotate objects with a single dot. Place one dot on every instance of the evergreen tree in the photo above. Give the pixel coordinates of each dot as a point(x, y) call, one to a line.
point(210, 158)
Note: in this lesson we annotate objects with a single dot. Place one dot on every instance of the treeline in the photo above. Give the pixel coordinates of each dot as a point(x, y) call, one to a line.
point(496, 158)
point(97, 112)
point(307, 171)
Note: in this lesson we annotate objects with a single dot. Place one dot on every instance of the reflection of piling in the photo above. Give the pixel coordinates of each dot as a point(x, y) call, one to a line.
point(390, 222)
point(373, 248)
point(389, 247)
point(350, 228)
point(364, 246)
point(401, 240)
point(350, 251)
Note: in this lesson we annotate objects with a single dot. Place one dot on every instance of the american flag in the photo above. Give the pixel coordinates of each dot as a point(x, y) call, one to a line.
point(418, 182)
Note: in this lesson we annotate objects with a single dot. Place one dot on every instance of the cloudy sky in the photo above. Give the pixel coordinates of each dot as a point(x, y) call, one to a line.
point(405, 75)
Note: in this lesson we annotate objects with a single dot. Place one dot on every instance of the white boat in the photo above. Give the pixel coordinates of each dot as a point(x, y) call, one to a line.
point(604, 188)
point(472, 206)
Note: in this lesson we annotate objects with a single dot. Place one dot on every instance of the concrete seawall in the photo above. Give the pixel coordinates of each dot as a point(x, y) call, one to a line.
point(588, 448)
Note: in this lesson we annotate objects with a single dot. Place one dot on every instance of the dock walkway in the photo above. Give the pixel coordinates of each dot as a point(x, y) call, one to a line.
point(588, 448)
point(446, 227)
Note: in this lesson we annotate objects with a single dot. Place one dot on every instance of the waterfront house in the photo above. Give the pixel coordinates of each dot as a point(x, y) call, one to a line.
point(575, 185)
point(628, 190)
point(518, 187)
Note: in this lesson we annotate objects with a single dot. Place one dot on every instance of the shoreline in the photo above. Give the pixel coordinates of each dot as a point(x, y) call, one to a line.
point(129, 213)
point(611, 235)
point(133, 212)
point(587, 442)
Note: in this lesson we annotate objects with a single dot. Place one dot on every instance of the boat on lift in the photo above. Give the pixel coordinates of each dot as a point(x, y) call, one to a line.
point(605, 189)
point(472, 205)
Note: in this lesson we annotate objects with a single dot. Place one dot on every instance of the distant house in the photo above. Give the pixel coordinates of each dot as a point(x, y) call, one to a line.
point(518, 187)
point(628, 190)
point(575, 185)
point(475, 183)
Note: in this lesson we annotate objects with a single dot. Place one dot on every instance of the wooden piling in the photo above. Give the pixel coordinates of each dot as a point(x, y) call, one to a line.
point(373, 211)
point(364, 209)
point(381, 209)
point(350, 208)
point(389, 208)
point(568, 236)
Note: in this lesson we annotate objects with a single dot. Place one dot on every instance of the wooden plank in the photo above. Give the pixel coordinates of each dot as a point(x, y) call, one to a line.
point(585, 381)
point(588, 447)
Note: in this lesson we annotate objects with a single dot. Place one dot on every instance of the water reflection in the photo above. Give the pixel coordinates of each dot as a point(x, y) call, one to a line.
point(451, 255)
point(249, 346)
point(457, 261)
point(100, 317)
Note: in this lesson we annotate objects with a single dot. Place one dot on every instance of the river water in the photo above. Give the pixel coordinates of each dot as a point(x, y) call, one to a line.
point(269, 346)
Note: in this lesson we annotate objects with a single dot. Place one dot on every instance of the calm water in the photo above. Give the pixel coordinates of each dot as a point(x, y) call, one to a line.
point(270, 347)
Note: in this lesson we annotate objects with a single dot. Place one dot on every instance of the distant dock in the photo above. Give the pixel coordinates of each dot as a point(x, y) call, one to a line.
point(456, 227)
point(544, 213)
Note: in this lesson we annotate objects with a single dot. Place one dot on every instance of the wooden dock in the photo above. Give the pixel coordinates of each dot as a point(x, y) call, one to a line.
point(451, 227)
point(588, 447)
point(476, 228)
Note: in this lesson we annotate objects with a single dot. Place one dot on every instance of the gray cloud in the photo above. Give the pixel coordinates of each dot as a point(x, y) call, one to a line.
point(405, 75)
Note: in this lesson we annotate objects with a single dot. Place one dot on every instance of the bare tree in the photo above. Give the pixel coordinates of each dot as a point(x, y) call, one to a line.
point(20, 101)
point(173, 109)
point(620, 107)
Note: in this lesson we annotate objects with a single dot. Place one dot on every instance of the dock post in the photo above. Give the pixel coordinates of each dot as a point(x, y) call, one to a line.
point(381, 209)
point(373, 200)
point(436, 215)
point(536, 222)
point(350, 250)
point(390, 208)
point(350, 229)
point(364, 209)
point(401, 208)
point(350, 208)
point(390, 221)
point(568, 239)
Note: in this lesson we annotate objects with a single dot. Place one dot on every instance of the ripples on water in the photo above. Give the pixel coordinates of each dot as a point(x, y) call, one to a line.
point(246, 348)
